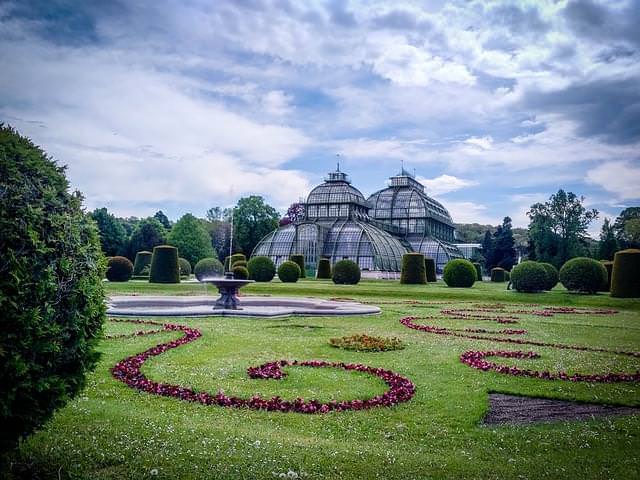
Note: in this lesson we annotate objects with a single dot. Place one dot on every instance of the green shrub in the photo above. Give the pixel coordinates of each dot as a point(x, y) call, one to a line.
point(208, 267)
point(119, 269)
point(625, 279)
point(164, 265)
point(240, 263)
point(529, 277)
point(299, 259)
point(498, 274)
point(346, 272)
point(236, 257)
point(324, 268)
point(51, 289)
point(552, 276)
point(459, 273)
point(583, 274)
point(430, 269)
point(288, 272)
point(240, 272)
point(143, 259)
point(191, 238)
point(185, 267)
point(478, 268)
point(608, 264)
point(261, 269)
point(413, 269)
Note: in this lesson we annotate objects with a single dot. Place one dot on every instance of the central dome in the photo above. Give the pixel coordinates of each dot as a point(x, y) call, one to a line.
point(336, 188)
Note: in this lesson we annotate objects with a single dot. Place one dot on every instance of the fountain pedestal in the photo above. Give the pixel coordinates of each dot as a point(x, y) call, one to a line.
point(228, 288)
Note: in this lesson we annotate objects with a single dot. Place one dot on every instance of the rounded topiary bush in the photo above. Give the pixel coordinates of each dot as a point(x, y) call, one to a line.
point(208, 267)
point(324, 268)
point(413, 269)
point(625, 279)
point(583, 274)
point(346, 272)
point(236, 257)
point(51, 289)
point(119, 269)
point(288, 272)
point(143, 259)
point(529, 277)
point(478, 268)
point(240, 272)
point(498, 274)
point(185, 267)
point(608, 265)
point(459, 273)
point(552, 276)
point(240, 263)
point(164, 265)
point(299, 259)
point(261, 269)
point(430, 269)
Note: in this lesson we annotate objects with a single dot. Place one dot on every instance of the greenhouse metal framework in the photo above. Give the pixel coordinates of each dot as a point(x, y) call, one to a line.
point(339, 223)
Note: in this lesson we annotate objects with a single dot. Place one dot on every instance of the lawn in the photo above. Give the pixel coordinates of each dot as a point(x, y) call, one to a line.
point(113, 431)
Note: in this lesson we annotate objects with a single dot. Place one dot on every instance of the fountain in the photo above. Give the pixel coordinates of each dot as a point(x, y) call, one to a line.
point(228, 288)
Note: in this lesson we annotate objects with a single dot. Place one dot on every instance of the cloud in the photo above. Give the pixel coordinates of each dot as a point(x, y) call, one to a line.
point(621, 179)
point(471, 212)
point(445, 184)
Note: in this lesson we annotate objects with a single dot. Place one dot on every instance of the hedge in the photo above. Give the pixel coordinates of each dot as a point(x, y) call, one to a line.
point(552, 276)
point(164, 265)
point(236, 257)
point(625, 279)
point(185, 267)
point(288, 272)
point(143, 259)
point(529, 277)
point(583, 274)
point(346, 272)
point(498, 274)
point(299, 259)
point(119, 269)
point(240, 272)
point(430, 269)
point(324, 268)
point(261, 269)
point(608, 264)
point(413, 269)
point(459, 273)
point(478, 268)
point(208, 267)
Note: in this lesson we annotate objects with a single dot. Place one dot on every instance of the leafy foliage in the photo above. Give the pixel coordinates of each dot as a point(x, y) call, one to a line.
point(324, 268)
point(261, 269)
point(288, 272)
point(608, 242)
point(235, 258)
point(625, 279)
point(51, 289)
point(252, 220)
point(459, 273)
point(164, 265)
point(163, 219)
point(185, 267)
point(627, 228)
point(583, 274)
point(299, 259)
point(208, 267)
point(552, 276)
point(240, 272)
point(119, 269)
point(346, 272)
point(478, 268)
point(147, 234)
point(143, 260)
point(113, 236)
point(191, 239)
point(529, 277)
point(295, 212)
point(413, 269)
point(430, 269)
point(502, 251)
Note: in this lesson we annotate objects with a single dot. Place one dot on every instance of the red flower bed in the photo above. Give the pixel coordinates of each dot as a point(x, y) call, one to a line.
point(129, 371)
point(139, 333)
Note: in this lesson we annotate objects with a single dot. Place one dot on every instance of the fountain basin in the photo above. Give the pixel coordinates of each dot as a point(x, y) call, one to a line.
point(228, 288)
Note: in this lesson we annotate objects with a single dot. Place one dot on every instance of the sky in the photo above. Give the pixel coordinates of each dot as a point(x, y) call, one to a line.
point(180, 105)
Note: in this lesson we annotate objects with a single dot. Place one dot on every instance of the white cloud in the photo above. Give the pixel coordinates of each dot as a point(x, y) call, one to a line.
point(471, 212)
point(621, 179)
point(277, 103)
point(445, 184)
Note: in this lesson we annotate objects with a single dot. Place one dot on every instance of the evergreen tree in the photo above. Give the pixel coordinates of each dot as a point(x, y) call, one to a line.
point(163, 219)
point(487, 249)
point(627, 228)
point(608, 242)
point(113, 237)
point(148, 234)
point(504, 252)
point(252, 220)
point(191, 238)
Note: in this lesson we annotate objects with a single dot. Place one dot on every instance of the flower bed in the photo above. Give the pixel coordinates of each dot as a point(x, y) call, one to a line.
point(367, 343)
point(139, 333)
point(129, 371)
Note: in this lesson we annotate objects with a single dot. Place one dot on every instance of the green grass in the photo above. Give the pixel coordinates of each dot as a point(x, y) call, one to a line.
point(112, 431)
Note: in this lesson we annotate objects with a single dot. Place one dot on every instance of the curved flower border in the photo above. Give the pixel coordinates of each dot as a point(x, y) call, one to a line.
point(139, 333)
point(129, 372)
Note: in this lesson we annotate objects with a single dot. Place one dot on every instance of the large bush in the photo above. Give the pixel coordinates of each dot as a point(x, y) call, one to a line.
point(430, 269)
point(478, 268)
point(51, 293)
point(413, 269)
point(164, 265)
point(191, 238)
point(324, 268)
point(185, 267)
point(240, 272)
point(583, 274)
point(499, 275)
point(288, 272)
point(299, 259)
point(143, 259)
point(208, 267)
point(261, 269)
point(346, 272)
point(608, 265)
point(529, 277)
point(625, 279)
point(459, 273)
point(119, 269)
point(552, 276)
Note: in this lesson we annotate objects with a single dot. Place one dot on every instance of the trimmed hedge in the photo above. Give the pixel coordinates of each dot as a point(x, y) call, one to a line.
point(583, 274)
point(413, 269)
point(288, 272)
point(529, 277)
point(498, 274)
point(459, 273)
point(119, 269)
point(324, 268)
point(240, 272)
point(164, 265)
point(143, 259)
point(478, 268)
point(608, 264)
point(625, 279)
point(261, 269)
point(208, 267)
point(185, 267)
point(552, 276)
point(430, 269)
point(299, 259)
point(236, 257)
point(346, 272)
point(240, 263)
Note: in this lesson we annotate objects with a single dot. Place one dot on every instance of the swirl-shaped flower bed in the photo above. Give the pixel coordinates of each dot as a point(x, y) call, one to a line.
point(367, 343)
point(139, 333)
point(128, 371)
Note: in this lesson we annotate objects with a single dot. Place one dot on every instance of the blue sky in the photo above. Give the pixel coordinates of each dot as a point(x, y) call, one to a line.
point(184, 105)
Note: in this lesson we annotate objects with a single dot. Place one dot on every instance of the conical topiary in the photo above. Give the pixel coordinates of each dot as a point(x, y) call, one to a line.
point(478, 270)
point(608, 264)
point(164, 265)
point(299, 259)
point(625, 278)
point(430, 269)
point(324, 268)
point(498, 274)
point(143, 259)
point(413, 269)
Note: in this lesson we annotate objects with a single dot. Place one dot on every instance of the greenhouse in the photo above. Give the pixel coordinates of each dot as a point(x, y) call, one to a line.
point(339, 223)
